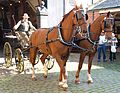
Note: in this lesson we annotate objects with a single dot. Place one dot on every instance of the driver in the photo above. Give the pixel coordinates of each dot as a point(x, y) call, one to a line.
point(23, 26)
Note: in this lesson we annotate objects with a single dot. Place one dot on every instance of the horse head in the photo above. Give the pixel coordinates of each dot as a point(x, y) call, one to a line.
point(101, 24)
point(80, 20)
point(73, 22)
point(107, 27)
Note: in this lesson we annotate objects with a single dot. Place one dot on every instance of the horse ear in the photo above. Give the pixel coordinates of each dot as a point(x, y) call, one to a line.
point(86, 16)
point(76, 7)
point(108, 14)
point(81, 6)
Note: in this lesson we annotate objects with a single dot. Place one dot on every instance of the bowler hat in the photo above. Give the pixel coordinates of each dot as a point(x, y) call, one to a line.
point(25, 15)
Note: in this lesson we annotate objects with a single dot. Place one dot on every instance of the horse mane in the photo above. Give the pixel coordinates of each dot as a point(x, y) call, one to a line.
point(66, 15)
point(99, 19)
point(97, 22)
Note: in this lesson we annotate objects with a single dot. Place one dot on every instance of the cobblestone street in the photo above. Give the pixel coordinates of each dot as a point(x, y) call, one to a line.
point(106, 77)
point(30, 30)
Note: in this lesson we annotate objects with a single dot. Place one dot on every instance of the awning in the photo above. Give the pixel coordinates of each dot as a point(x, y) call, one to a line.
point(111, 10)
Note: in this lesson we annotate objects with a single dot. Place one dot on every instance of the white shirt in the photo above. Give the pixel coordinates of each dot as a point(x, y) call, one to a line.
point(102, 39)
point(26, 24)
point(114, 41)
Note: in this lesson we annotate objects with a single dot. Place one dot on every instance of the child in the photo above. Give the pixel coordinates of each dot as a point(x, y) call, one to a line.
point(113, 46)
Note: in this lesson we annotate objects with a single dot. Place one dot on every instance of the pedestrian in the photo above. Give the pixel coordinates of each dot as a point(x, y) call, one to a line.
point(113, 45)
point(22, 27)
point(102, 47)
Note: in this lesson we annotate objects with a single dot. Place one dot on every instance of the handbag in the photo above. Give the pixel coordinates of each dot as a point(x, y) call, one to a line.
point(113, 49)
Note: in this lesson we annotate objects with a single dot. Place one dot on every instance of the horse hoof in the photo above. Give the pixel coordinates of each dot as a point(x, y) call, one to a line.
point(45, 76)
point(60, 84)
point(65, 88)
point(77, 81)
point(90, 81)
point(34, 79)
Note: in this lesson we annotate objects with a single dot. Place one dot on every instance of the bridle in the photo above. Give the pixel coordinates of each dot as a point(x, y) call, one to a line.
point(103, 29)
point(95, 42)
point(108, 21)
point(78, 29)
point(60, 37)
point(79, 17)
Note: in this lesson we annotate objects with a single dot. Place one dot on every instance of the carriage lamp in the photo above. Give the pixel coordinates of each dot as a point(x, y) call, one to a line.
point(10, 4)
point(19, 1)
point(2, 8)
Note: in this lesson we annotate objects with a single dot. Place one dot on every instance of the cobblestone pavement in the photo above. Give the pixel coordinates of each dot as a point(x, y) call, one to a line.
point(106, 77)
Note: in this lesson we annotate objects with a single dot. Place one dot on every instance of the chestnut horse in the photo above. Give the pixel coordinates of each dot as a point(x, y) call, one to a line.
point(90, 44)
point(57, 41)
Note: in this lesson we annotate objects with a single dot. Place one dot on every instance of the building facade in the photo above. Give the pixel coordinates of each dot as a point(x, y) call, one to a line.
point(104, 6)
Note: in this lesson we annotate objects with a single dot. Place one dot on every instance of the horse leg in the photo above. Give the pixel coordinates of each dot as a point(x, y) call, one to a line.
point(81, 60)
point(90, 80)
point(43, 57)
point(62, 81)
point(62, 76)
point(33, 52)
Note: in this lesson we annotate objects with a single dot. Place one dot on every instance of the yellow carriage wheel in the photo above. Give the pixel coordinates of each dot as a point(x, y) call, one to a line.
point(49, 62)
point(7, 51)
point(19, 60)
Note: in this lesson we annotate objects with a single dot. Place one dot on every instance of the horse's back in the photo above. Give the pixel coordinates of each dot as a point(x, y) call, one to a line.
point(38, 38)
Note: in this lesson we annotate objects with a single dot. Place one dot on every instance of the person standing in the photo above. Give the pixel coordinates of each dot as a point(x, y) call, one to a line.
point(22, 27)
point(102, 47)
point(113, 45)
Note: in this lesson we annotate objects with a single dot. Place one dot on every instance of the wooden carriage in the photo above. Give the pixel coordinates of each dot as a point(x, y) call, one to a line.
point(10, 13)
point(13, 49)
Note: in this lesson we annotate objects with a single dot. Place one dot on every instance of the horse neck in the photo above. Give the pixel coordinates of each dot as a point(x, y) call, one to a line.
point(67, 27)
point(96, 28)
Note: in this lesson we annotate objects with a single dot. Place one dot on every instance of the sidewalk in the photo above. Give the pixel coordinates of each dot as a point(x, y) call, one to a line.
point(106, 77)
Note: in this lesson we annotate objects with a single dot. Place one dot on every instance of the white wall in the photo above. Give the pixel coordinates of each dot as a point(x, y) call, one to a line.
point(55, 12)
point(69, 5)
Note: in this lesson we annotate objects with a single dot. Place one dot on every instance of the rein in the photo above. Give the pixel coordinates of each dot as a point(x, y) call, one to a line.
point(70, 43)
point(60, 37)
point(89, 37)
